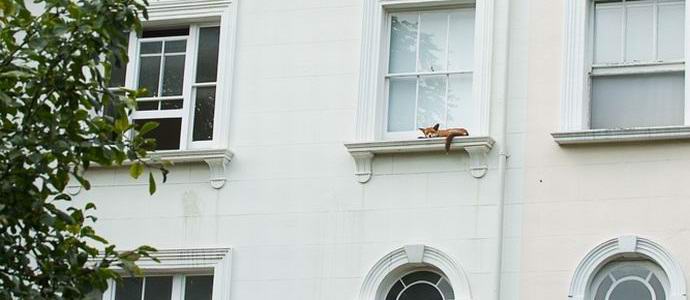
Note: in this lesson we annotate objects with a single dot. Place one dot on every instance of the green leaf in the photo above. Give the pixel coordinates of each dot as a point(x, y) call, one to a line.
point(152, 184)
point(148, 127)
point(136, 169)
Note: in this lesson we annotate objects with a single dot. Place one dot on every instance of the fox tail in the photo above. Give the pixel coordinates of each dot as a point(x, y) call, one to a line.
point(450, 137)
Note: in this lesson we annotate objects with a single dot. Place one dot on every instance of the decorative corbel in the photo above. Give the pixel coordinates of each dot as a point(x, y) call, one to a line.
point(217, 168)
point(363, 161)
point(478, 164)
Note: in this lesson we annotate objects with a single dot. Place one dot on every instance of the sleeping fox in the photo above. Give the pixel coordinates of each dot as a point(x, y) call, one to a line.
point(449, 134)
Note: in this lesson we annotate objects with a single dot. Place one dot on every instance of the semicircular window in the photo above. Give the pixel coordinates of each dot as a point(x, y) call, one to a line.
point(630, 280)
point(421, 285)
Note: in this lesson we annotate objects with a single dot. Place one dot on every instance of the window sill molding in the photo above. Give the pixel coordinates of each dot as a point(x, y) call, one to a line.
point(364, 152)
point(597, 136)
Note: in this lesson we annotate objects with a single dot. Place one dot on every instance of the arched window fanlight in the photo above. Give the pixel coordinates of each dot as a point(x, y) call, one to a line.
point(630, 280)
point(421, 285)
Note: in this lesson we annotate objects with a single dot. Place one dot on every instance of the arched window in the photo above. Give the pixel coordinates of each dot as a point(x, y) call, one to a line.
point(629, 280)
point(421, 285)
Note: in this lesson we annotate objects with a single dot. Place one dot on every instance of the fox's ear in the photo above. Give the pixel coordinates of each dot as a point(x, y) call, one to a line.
point(422, 129)
point(436, 126)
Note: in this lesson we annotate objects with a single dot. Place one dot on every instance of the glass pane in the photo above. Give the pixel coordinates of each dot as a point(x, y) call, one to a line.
point(198, 288)
point(639, 42)
point(461, 108)
point(671, 31)
point(173, 75)
point(150, 47)
point(431, 106)
point(630, 290)
point(603, 289)
point(658, 288)
point(461, 40)
point(630, 270)
point(401, 104)
point(158, 288)
point(128, 289)
point(175, 46)
point(403, 49)
point(608, 39)
point(207, 61)
point(204, 109)
point(421, 292)
point(171, 104)
point(395, 291)
point(446, 289)
point(149, 73)
point(637, 100)
point(147, 105)
point(421, 276)
point(167, 134)
point(165, 32)
point(432, 41)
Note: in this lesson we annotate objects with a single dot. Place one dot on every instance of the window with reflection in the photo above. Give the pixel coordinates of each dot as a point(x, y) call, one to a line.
point(430, 69)
point(164, 287)
point(421, 285)
point(630, 280)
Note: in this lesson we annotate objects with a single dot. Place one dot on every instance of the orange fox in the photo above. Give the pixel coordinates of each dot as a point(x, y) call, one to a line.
point(449, 134)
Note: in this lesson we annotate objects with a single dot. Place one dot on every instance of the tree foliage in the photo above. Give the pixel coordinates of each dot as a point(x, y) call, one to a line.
point(57, 119)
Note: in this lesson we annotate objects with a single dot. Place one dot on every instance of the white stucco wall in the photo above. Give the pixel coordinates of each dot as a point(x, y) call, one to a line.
point(300, 225)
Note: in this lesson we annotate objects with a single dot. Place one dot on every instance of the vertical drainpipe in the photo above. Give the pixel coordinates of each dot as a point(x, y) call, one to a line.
point(502, 148)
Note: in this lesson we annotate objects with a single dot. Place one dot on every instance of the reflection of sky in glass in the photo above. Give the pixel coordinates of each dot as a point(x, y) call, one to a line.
point(440, 42)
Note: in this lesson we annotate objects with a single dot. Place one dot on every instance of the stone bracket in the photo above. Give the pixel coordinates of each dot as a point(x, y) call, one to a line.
point(363, 165)
point(478, 164)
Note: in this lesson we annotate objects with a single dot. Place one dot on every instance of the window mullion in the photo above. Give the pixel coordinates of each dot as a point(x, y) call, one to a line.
point(143, 287)
point(655, 30)
point(161, 77)
point(178, 287)
point(417, 69)
point(624, 36)
point(187, 86)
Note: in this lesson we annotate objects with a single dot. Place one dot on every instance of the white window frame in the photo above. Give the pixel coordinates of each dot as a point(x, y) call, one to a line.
point(372, 107)
point(178, 285)
point(180, 263)
point(195, 14)
point(578, 38)
point(606, 272)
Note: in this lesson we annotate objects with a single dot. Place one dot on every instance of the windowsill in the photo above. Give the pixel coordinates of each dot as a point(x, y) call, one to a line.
point(216, 159)
point(596, 136)
point(364, 152)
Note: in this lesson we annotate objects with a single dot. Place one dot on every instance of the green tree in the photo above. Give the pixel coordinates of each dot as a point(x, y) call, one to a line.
point(57, 118)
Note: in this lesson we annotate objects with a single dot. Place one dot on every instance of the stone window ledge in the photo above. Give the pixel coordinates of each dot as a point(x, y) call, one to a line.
point(596, 136)
point(364, 152)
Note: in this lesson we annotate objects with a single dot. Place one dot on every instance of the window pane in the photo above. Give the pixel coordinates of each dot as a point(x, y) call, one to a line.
point(658, 288)
point(639, 42)
point(207, 61)
point(446, 289)
point(147, 105)
point(165, 32)
point(395, 290)
point(150, 47)
point(403, 49)
point(421, 276)
point(630, 270)
point(167, 134)
point(461, 40)
point(128, 289)
point(630, 290)
point(149, 71)
point(401, 104)
point(637, 100)
point(603, 289)
point(204, 109)
point(421, 292)
point(432, 41)
point(671, 32)
point(175, 46)
point(173, 75)
point(171, 104)
point(461, 109)
point(198, 288)
point(608, 39)
point(431, 108)
point(158, 288)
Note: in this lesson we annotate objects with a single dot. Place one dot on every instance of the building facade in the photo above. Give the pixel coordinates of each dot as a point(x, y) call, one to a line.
point(299, 174)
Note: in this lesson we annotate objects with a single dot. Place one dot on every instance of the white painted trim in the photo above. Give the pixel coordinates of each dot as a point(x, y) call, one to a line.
point(396, 263)
point(598, 257)
point(622, 135)
point(364, 152)
point(216, 261)
point(575, 82)
point(190, 10)
point(372, 102)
